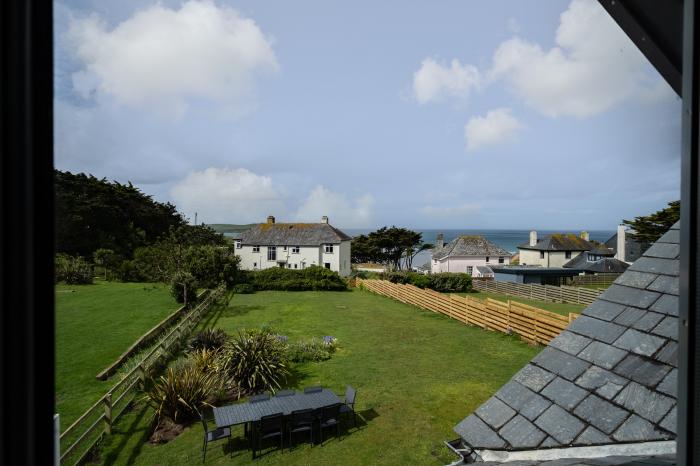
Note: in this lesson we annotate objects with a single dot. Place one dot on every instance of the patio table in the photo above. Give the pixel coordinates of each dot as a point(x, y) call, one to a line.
point(242, 413)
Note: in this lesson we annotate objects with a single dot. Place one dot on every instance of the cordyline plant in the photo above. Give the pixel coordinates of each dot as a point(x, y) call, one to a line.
point(256, 360)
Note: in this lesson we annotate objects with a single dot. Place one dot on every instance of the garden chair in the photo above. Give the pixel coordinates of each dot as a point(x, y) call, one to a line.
point(260, 397)
point(269, 427)
point(212, 435)
point(315, 388)
point(284, 393)
point(329, 418)
point(301, 420)
point(348, 406)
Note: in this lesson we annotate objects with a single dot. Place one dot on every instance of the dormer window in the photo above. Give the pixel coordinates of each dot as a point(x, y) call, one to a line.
point(329, 249)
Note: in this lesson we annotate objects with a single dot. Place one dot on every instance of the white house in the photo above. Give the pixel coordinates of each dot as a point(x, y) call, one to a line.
point(294, 246)
point(554, 250)
point(465, 253)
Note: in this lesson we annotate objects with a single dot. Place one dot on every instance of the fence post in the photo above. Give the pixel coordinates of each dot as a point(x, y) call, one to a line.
point(108, 413)
point(508, 315)
point(56, 439)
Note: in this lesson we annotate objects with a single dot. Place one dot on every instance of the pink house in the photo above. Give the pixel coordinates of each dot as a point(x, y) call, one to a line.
point(467, 254)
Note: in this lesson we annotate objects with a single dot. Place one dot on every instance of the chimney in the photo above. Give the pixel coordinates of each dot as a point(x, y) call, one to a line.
point(620, 253)
point(270, 219)
point(439, 241)
point(584, 235)
point(324, 219)
point(533, 238)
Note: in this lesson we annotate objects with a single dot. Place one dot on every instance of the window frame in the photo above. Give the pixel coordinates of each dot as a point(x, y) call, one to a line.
point(328, 249)
point(272, 252)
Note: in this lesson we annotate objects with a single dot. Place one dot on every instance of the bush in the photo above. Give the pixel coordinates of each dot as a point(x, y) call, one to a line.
point(128, 271)
point(72, 270)
point(243, 288)
point(448, 282)
point(177, 395)
point(313, 278)
point(210, 339)
point(420, 280)
point(313, 350)
point(181, 282)
point(255, 360)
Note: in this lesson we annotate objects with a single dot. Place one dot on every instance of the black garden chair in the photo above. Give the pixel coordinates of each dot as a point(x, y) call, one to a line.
point(330, 418)
point(212, 435)
point(268, 427)
point(301, 420)
point(349, 406)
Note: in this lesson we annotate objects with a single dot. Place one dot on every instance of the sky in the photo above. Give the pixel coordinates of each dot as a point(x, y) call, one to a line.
point(455, 114)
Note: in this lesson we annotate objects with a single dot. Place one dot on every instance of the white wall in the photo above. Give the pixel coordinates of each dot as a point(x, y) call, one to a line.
point(551, 258)
point(460, 263)
point(306, 257)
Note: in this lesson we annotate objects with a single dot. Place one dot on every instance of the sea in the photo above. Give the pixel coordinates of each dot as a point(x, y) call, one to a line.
point(507, 239)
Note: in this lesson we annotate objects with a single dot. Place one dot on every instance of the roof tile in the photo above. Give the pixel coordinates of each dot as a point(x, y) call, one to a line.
point(602, 354)
point(600, 413)
point(636, 279)
point(667, 328)
point(596, 329)
point(523, 400)
point(669, 354)
point(560, 424)
point(667, 304)
point(646, 403)
point(640, 343)
point(495, 413)
point(669, 385)
point(521, 433)
point(570, 342)
point(533, 377)
point(656, 265)
point(477, 433)
point(648, 321)
point(642, 370)
point(592, 436)
point(670, 422)
point(605, 383)
point(671, 236)
point(665, 284)
point(564, 393)
point(663, 250)
point(603, 310)
point(635, 429)
point(630, 296)
point(561, 363)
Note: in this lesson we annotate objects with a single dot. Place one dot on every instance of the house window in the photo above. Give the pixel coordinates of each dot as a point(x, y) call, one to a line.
point(295, 249)
point(567, 254)
point(500, 260)
point(284, 248)
point(295, 266)
point(487, 258)
point(256, 248)
point(541, 254)
point(239, 244)
point(271, 253)
point(255, 264)
point(470, 269)
point(329, 249)
point(328, 264)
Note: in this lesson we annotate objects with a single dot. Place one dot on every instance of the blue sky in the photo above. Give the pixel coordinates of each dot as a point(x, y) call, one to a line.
point(479, 114)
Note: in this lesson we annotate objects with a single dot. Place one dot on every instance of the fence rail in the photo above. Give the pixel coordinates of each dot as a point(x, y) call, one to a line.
point(532, 324)
point(82, 435)
point(603, 279)
point(559, 294)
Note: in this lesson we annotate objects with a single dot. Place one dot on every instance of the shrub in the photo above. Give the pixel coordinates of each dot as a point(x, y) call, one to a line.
point(128, 271)
point(210, 339)
point(312, 278)
point(72, 270)
point(178, 394)
point(420, 280)
point(183, 282)
point(448, 282)
point(313, 350)
point(243, 288)
point(256, 360)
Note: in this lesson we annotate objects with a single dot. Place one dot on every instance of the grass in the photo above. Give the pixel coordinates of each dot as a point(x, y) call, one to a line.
point(559, 308)
point(94, 325)
point(417, 374)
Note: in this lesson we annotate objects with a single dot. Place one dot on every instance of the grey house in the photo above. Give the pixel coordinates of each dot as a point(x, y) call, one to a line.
point(605, 388)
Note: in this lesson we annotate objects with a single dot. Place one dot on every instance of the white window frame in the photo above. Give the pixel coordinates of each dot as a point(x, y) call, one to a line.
point(239, 244)
point(329, 249)
point(501, 260)
point(295, 249)
point(271, 251)
point(256, 248)
point(487, 258)
point(470, 270)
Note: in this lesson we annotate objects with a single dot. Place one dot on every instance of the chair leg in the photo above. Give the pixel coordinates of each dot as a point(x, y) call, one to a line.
point(204, 455)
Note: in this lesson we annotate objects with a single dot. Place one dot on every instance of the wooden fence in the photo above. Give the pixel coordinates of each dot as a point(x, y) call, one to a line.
point(602, 279)
point(81, 436)
point(558, 294)
point(532, 324)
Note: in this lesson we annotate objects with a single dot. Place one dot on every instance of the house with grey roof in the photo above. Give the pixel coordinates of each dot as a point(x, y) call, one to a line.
point(604, 389)
point(624, 246)
point(294, 246)
point(554, 250)
point(465, 254)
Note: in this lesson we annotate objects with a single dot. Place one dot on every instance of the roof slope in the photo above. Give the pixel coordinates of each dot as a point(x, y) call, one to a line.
point(610, 377)
point(560, 242)
point(469, 245)
point(603, 265)
point(293, 234)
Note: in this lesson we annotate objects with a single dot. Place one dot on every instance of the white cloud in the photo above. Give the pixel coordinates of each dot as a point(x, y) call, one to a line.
point(223, 195)
point(162, 58)
point(593, 66)
point(340, 210)
point(434, 82)
point(460, 210)
point(497, 127)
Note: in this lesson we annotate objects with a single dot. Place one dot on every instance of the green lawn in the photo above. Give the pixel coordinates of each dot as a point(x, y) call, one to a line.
point(94, 325)
point(417, 374)
point(559, 308)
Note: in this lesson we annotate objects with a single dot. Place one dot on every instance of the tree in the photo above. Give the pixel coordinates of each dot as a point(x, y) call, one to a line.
point(106, 259)
point(395, 247)
point(649, 228)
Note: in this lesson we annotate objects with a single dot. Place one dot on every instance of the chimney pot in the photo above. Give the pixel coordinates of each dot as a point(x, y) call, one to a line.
point(621, 253)
point(533, 238)
point(270, 219)
point(439, 241)
point(324, 219)
point(584, 235)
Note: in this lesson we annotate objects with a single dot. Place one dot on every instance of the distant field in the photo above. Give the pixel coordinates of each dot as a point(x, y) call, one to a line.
point(559, 308)
point(94, 325)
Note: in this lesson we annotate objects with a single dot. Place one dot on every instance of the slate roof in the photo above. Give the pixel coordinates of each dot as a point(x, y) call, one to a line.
point(604, 265)
point(292, 234)
point(484, 270)
point(610, 377)
point(633, 248)
point(560, 242)
point(470, 245)
point(658, 460)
